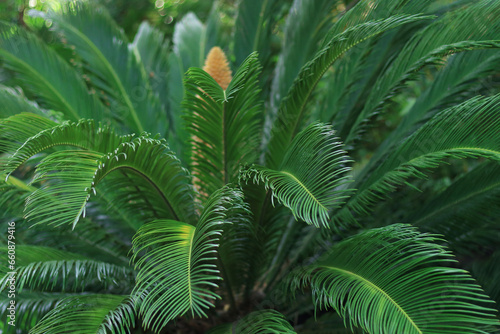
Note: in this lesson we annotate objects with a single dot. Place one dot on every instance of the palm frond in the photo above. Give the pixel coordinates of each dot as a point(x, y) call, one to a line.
point(383, 280)
point(258, 322)
point(466, 212)
point(253, 30)
point(48, 269)
point(70, 177)
point(224, 125)
point(304, 29)
point(153, 51)
point(466, 198)
point(16, 129)
point(177, 272)
point(12, 195)
point(453, 133)
point(457, 31)
point(84, 134)
point(47, 75)
point(89, 314)
point(449, 87)
point(30, 308)
point(12, 102)
point(293, 108)
point(114, 66)
point(311, 177)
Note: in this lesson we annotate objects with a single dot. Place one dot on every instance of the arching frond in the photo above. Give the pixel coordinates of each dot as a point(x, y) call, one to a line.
point(305, 25)
point(448, 88)
point(84, 134)
point(292, 110)
point(258, 322)
point(48, 269)
point(452, 133)
point(16, 129)
point(224, 125)
point(63, 195)
point(86, 314)
point(466, 212)
point(253, 28)
point(12, 102)
point(114, 66)
point(30, 308)
point(310, 179)
point(457, 31)
point(47, 75)
point(177, 274)
point(383, 280)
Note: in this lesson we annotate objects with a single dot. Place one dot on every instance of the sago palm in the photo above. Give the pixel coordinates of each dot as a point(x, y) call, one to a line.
point(149, 190)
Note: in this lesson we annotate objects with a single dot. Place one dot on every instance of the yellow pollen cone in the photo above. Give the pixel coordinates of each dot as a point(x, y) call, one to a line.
point(217, 66)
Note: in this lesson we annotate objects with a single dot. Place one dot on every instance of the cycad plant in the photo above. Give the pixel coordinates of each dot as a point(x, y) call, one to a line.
point(147, 190)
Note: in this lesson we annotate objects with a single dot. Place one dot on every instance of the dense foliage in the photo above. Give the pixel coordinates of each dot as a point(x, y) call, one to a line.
point(326, 167)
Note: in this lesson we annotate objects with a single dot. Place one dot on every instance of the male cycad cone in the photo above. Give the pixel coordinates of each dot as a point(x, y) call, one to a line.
point(217, 66)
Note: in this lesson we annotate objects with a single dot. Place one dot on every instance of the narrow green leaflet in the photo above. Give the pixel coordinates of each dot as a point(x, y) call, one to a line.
point(292, 110)
point(258, 322)
point(86, 314)
point(49, 269)
point(115, 67)
point(46, 74)
point(453, 133)
point(224, 125)
point(177, 273)
point(312, 177)
point(394, 280)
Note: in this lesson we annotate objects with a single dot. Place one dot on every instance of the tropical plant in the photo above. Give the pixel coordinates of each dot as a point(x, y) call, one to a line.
point(148, 190)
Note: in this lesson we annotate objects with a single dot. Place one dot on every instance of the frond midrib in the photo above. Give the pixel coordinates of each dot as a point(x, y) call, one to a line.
point(191, 245)
point(305, 188)
point(378, 289)
point(150, 181)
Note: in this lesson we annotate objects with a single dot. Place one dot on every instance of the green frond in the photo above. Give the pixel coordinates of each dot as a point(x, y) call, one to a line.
point(466, 212)
point(189, 50)
point(453, 133)
point(83, 134)
point(12, 196)
point(86, 314)
point(253, 29)
point(224, 125)
point(12, 102)
point(383, 280)
point(238, 243)
point(311, 178)
point(30, 308)
point(189, 42)
point(470, 28)
point(177, 274)
point(154, 53)
point(114, 66)
point(258, 322)
point(293, 107)
point(45, 74)
point(16, 129)
point(449, 87)
point(304, 29)
point(466, 198)
point(69, 178)
point(487, 273)
point(48, 269)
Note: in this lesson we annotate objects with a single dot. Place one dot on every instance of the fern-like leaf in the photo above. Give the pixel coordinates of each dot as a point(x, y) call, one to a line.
point(311, 177)
point(383, 280)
